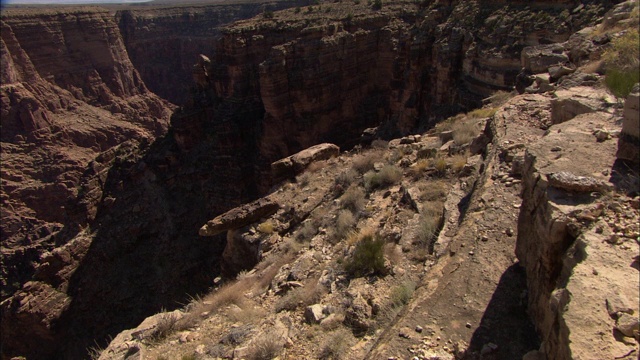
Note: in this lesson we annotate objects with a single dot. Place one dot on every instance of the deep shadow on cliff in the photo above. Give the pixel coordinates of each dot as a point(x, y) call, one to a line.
point(505, 322)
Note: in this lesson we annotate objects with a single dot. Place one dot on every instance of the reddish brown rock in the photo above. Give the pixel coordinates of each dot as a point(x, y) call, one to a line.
point(240, 216)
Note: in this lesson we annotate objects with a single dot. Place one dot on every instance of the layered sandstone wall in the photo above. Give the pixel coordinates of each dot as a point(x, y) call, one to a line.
point(163, 42)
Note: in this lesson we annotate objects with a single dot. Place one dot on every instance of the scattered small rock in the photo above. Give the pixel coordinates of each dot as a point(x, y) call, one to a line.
point(418, 328)
point(628, 325)
point(405, 332)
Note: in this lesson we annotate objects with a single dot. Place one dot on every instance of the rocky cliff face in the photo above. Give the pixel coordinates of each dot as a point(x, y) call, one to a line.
point(274, 85)
point(163, 42)
point(68, 94)
point(327, 74)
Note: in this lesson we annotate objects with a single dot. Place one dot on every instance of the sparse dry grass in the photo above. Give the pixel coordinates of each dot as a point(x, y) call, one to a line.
point(447, 124)
point(388, 175)
point(433, 190)
point(247, 314)
point(499, 98)
point(353, 199)
point(336, 345)
point(465, 131)
point(440, 164)
point(458, 162)
point(483, 112)
point(345, 222)
point(418, 169)
point(364, 162)
point(311, 293)
point(429, 226)
point(266, 347)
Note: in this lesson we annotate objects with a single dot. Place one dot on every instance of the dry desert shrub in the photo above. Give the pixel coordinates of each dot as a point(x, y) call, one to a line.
point(346, 178)
point(266, 347)
point(266, 227)
point(465, 131)
point(353, 199)
point(167, 324)
point(458, 162)
point(309, 294)
point(336, 345)
point(364, 162)
point(433, 190)
point(344, 222)
point(388, 175)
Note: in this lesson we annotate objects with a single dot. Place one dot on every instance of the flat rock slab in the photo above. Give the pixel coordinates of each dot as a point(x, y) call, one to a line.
point(296, 163)
point(241, 216)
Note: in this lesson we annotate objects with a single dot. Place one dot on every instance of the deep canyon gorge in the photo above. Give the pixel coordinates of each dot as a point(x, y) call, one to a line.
point(126, 128)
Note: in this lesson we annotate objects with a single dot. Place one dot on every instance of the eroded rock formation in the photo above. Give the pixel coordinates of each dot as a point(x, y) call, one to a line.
point(128, 213)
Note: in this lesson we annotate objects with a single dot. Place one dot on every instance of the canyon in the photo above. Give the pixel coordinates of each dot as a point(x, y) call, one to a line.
point(125, 129)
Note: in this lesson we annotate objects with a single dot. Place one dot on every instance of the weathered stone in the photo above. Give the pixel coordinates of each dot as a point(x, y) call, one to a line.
point(575, 101)
point(296, 163)
point(446, 136)
point(537, 59)
point(314, 314)
point(628, 325)
point(558, 71)
point(241, 252)
point(568, 181)
point(358, 315)
point(241, 216)
point(616, 306)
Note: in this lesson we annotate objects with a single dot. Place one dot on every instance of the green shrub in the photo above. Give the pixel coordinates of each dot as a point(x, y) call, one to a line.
point(367, 258)
point(377, 4)
point(388, 175)
point(401, 294)
point(621, 81)
point(622, 62)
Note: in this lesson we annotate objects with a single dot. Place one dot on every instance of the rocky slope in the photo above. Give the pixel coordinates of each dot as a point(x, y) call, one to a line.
point(448, 285)
point(529, 217)
point(274, 85)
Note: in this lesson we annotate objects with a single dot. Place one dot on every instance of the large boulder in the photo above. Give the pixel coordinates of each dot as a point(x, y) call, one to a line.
point(569, 103)
point(241, 216)
point(537, 59)
point(296, 163)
